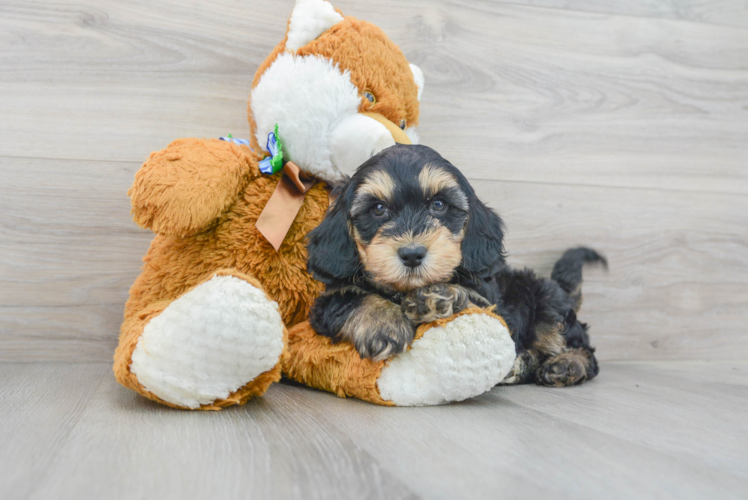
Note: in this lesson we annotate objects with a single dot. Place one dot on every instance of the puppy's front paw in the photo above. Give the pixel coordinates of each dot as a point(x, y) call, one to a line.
point(433, 302)
point(378, 329)
point(384, 340)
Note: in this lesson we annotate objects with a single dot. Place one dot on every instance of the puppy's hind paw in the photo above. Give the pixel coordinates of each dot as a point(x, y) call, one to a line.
point(563, 370)
point(525, 365)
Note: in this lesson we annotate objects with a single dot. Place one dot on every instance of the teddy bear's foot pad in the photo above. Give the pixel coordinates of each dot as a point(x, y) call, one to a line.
point(460, 359)
point(209, 342)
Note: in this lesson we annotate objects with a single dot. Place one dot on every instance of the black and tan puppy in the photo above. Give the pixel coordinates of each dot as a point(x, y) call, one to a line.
point(408, 242)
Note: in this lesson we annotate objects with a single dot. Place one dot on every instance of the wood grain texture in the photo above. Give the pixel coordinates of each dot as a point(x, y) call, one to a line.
point(576, 98)
point(266, 449)
point(581, 124)
point(68, 255)
point(636, 389)
point(40, 405)
point(726, 12)
point(641, 430)
point(522, 441)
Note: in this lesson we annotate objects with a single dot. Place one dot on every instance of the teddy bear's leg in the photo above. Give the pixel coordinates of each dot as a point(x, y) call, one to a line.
point(218, 344)
point(451, 359)
point(454, 359)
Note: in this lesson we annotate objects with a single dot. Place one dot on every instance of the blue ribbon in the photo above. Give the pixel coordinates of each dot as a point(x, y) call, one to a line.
point(274, 162)
point(238, 142)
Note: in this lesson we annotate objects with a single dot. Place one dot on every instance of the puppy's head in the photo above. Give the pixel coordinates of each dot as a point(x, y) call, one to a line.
point(406, 219)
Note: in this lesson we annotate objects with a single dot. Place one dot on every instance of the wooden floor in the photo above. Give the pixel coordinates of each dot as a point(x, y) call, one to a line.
point(641, 430)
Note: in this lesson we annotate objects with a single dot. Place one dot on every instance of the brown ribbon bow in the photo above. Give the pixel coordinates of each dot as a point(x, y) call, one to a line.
point(284, 204)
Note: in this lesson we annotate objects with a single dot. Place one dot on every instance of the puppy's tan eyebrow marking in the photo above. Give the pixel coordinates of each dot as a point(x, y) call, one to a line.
point(378, 184)
point(434, 179)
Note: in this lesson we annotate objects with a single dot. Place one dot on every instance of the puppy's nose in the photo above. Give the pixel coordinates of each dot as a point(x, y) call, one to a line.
point(412, 255)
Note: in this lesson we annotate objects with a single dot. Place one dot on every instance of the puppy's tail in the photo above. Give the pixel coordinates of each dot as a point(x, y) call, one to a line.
point(567, 271)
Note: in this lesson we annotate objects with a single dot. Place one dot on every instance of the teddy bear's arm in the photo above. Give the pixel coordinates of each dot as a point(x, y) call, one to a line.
point(182, 189)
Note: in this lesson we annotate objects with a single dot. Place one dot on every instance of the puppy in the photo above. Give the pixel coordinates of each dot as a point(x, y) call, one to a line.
point(408, 242)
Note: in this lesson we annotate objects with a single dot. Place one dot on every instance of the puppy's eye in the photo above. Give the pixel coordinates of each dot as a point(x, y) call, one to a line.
point(402, 124)
point(438, 205)
point(379, 210)
point(369, 96)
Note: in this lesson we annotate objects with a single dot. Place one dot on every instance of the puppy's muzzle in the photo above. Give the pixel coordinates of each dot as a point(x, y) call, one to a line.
point(412, 255)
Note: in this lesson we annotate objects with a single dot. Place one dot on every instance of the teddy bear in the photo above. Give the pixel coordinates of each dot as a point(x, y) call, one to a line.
point(207, 321)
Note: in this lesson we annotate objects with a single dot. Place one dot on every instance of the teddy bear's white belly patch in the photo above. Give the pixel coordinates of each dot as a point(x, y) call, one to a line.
point(462, 359)
point(209, 342)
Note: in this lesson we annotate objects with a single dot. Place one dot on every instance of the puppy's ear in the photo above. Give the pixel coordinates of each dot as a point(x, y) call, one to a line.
point(332, 251)
point(483, 244)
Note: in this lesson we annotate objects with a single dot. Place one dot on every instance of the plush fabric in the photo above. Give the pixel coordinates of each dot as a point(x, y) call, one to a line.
point(455, 359)
point(315, 361)
point(375, 64)
point(451, 359)
point(309, 20)
point(165, 197)
point(319, 86)
point(307, 95)
point(207, 343)
point(203, 197)
point(132, 330)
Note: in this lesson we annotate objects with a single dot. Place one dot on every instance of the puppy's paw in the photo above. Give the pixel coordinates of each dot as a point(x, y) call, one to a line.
point(477, 299)
point(384, 340)
point(525, 365)
point(566, 369)
point(378, 329)
point(433, 302)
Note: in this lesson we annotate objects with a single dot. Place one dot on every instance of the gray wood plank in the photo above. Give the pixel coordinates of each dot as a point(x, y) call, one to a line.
point(108, 80)
point(577, 98)
point(664, 396)
point(40, 405)
point(726, 12)
point(702, 371)
point(548, 94)
point(127, 447)
point(69, 252)
point(641, 430)
point(491, 444)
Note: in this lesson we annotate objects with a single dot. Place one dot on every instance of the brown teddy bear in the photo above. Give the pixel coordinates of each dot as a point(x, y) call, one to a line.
point(205, 324)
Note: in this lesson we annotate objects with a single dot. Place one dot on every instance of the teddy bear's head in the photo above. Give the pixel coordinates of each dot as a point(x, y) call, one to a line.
point(339, 90)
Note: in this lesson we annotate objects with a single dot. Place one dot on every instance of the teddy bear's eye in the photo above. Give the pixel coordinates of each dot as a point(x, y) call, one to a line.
point(402, 124)
point(369, 96)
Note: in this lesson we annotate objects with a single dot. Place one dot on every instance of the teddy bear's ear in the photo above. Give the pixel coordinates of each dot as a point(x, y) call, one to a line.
point(418, 77)
point(309, 19)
